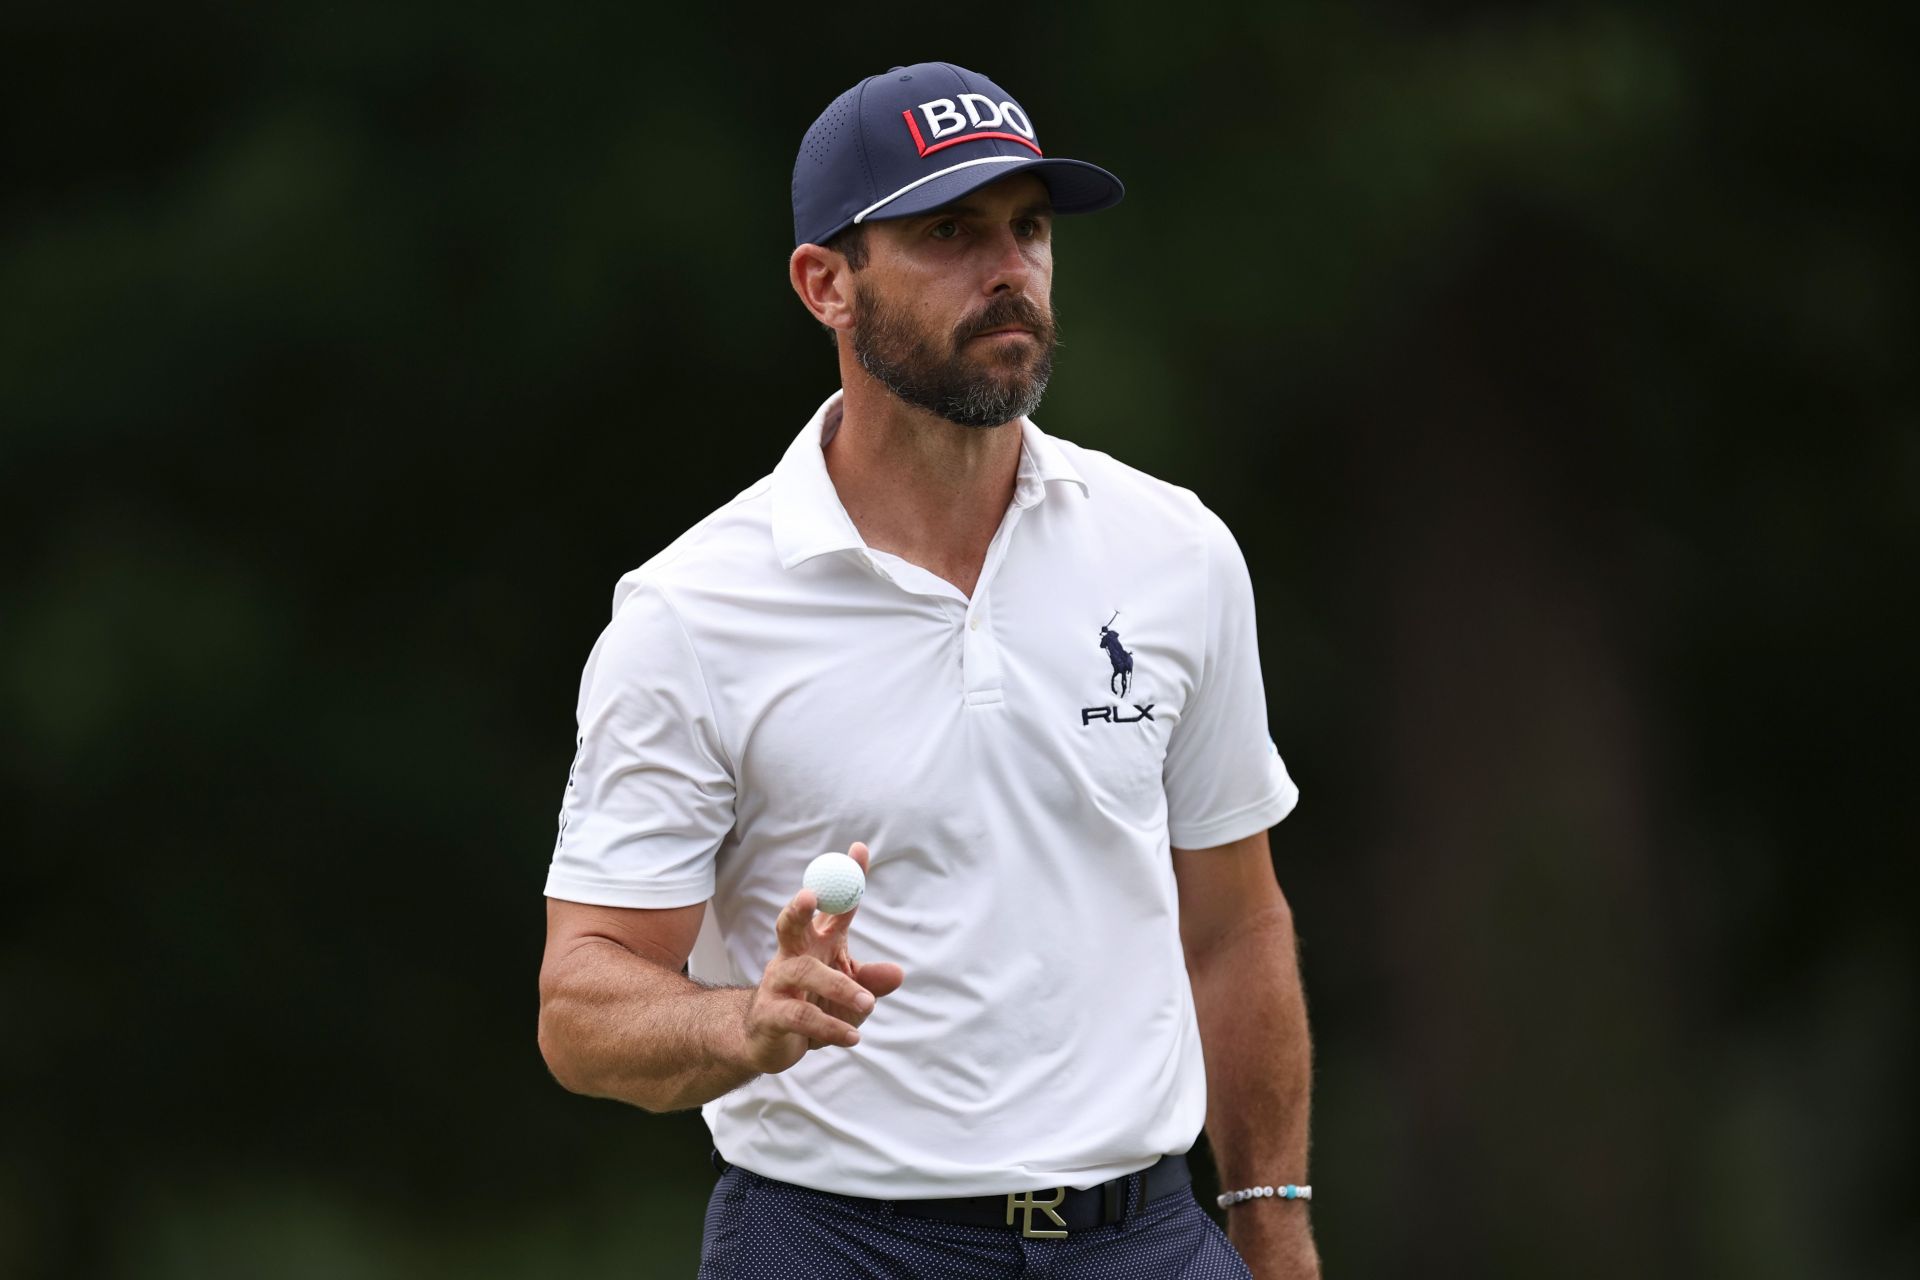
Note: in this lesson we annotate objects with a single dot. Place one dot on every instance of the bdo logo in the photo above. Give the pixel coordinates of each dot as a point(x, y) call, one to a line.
point(969, 118)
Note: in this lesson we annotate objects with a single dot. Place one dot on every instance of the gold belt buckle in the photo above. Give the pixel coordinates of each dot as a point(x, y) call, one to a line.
point(1024, 1202)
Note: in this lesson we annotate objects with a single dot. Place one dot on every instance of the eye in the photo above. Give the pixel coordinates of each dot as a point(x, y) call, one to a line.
point(945, 230)
point(1028, 227)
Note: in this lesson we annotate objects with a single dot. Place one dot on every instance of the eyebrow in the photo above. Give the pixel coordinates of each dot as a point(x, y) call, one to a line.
point(1038, 209)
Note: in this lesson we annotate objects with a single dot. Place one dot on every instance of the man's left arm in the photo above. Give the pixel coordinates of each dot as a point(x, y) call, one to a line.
point(1237, 931)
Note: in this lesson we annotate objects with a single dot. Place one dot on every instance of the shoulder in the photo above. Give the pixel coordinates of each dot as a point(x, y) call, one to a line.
point(1122, 492)
point(1132, 506)
point(728, 546)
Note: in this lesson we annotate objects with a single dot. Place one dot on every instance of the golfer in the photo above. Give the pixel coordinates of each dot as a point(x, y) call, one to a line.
point(1019, 682)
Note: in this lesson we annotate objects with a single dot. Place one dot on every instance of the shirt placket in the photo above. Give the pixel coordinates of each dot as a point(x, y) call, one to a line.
point(979, 644)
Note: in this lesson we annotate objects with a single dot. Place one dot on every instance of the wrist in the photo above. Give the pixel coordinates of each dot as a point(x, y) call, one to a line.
point(732, 1037)
point(1270, 1218)
point(1276, 1239)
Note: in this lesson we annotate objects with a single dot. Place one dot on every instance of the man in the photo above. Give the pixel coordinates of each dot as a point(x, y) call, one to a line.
point(1025, 678)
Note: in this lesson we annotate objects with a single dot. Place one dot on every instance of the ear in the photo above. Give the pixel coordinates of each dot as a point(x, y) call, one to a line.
point(824, 282)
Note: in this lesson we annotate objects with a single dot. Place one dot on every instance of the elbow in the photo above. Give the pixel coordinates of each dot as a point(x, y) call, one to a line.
point(553, 1050)
point(1261, 936)
point(573, 1071)
point(560, 1036)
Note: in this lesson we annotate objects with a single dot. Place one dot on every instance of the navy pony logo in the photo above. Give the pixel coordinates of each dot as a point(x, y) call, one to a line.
point(1122, 676)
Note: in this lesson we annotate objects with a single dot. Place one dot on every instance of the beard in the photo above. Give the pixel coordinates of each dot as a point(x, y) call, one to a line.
point(938, 374)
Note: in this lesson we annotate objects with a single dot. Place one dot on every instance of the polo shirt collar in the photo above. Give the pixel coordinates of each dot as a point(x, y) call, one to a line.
point(807, 515)
point(808, 519)
point(1042, 461)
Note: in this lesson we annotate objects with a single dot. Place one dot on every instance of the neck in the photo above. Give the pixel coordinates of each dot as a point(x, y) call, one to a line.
point(918, 486)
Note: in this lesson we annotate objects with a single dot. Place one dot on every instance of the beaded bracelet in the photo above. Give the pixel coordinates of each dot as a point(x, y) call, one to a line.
point(1288, 1192)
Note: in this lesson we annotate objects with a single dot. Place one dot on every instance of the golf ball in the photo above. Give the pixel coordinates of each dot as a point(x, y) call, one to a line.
point(837, 881)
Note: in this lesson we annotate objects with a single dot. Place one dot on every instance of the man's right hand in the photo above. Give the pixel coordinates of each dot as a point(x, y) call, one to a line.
point(812, 993)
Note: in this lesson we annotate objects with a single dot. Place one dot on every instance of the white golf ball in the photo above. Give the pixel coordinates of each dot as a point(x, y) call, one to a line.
point(837, 881)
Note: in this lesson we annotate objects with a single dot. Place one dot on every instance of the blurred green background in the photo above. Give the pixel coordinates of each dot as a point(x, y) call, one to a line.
point(1554, 364)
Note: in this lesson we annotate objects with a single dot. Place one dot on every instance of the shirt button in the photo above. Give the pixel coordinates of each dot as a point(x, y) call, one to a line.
point(974, 625)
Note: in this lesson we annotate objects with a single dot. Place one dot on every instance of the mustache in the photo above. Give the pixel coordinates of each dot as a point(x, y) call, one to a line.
point(1008, 309)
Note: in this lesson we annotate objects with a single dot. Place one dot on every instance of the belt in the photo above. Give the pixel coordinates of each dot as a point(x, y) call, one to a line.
point(1049, 1213)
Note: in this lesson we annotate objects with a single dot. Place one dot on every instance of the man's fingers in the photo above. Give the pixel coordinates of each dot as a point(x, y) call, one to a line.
point(852, 1017)
point(806, 976)
point(880, 978)
point(815, 1023)
point(793, 923)
point(832, 930)
point(823, 1000)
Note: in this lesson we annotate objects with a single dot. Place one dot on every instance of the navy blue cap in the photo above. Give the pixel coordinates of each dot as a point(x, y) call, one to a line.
point(920, 137)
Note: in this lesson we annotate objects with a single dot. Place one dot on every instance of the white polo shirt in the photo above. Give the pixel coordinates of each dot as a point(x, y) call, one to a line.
point(770, 688)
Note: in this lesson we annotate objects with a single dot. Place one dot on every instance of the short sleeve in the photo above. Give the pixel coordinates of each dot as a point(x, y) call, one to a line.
point(650, 795)
point(1224, 777)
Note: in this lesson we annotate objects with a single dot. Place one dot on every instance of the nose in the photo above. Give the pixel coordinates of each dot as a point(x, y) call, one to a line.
point(1010, 269)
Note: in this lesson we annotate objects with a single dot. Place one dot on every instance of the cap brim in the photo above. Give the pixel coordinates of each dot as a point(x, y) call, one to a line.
point(1074, 185)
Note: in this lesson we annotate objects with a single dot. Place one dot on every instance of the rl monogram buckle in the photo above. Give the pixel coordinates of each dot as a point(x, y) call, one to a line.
point(1025, 1201)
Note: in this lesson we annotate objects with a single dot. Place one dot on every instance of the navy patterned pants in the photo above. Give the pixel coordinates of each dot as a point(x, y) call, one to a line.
point(761, 1229)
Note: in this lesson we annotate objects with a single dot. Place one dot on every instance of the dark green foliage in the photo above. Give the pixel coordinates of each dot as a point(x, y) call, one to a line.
point(1554, 365)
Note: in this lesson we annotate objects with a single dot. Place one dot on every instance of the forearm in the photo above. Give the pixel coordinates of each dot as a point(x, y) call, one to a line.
point(614, 1025)
point(1253, 1021)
